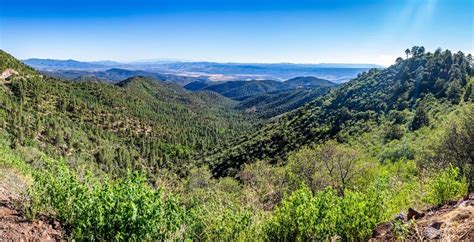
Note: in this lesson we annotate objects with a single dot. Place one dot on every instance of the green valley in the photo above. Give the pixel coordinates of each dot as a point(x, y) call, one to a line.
point(138, 123)
point(145, 159)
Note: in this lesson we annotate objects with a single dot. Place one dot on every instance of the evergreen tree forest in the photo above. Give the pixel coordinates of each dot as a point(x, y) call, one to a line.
point(147, 160)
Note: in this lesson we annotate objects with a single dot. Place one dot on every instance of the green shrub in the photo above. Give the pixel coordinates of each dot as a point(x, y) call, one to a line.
point(220, 214)
point(444, 186)
point(304, 216)
point(124, 209)
point(220, 223)
point(401, 230)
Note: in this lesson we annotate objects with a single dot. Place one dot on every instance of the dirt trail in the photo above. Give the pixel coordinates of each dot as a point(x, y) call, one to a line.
point(13, 225)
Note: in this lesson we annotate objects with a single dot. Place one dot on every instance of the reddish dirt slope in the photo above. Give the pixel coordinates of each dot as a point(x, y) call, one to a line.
point(13, 225)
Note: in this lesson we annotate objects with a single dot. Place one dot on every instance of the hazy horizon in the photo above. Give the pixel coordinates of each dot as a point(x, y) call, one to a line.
point(300, 31)
point(164, 60)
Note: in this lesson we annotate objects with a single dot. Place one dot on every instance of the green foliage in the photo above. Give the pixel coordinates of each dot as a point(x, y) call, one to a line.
point(329, 164)
point(456, 146)
point(8, 61)
point(241, 90)
point(395, 131)
point(335, 168)
point(219, 211)
point(265, 185)
point(303, 216)
point(124, 209)
point(469, 95)
point(155, 125)
point(401, 230)
point(323, 216)
point(421, 119)
point(353, 108)
point(445, 186)
point(220, 222)
point(272, 104)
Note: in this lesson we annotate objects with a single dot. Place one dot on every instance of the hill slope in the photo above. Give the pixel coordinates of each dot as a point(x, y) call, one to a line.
point(404, 138)
point(240, 90)
point(272, 104)
point(308, 81)
point(140, 123)
point(375, 94)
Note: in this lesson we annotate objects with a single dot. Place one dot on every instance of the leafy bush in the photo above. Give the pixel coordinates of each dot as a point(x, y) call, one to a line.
point(444, 186)
point(401, 230)
point(124, 209)
point(264, 184)
point(457, 144)
point(218, 210)
point(304, 216)
point(420, 119)
point(221, 223)
point(329, 164)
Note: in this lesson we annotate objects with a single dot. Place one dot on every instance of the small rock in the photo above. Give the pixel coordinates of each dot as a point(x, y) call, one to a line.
point(400, 217)
point(431, 233)
point(382, 230)
point(56, 225)
point(413, 214)
point(463, 204)
point(462, 200)
point(436, 225)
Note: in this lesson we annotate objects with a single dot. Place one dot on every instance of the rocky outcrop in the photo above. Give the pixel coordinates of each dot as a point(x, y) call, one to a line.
point(7, 73)
point(452, 221)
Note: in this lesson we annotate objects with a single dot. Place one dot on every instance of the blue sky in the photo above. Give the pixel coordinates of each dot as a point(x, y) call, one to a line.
point(300, 31)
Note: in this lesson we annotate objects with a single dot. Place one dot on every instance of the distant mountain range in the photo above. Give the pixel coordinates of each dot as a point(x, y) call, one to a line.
point(208, 70)
point(115, 75)
point(51, 64)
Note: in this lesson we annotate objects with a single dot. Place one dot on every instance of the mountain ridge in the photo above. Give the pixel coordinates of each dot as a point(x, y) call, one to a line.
point(212, 70)
point(52, 62)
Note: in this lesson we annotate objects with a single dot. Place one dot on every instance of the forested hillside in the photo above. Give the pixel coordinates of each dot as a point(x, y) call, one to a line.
point(146, 160)
point(274, 103)
point(138, 124)
point(308, 81)
point(404, 93)
point(241, 90)
point(238, 90)
point(268, 98)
